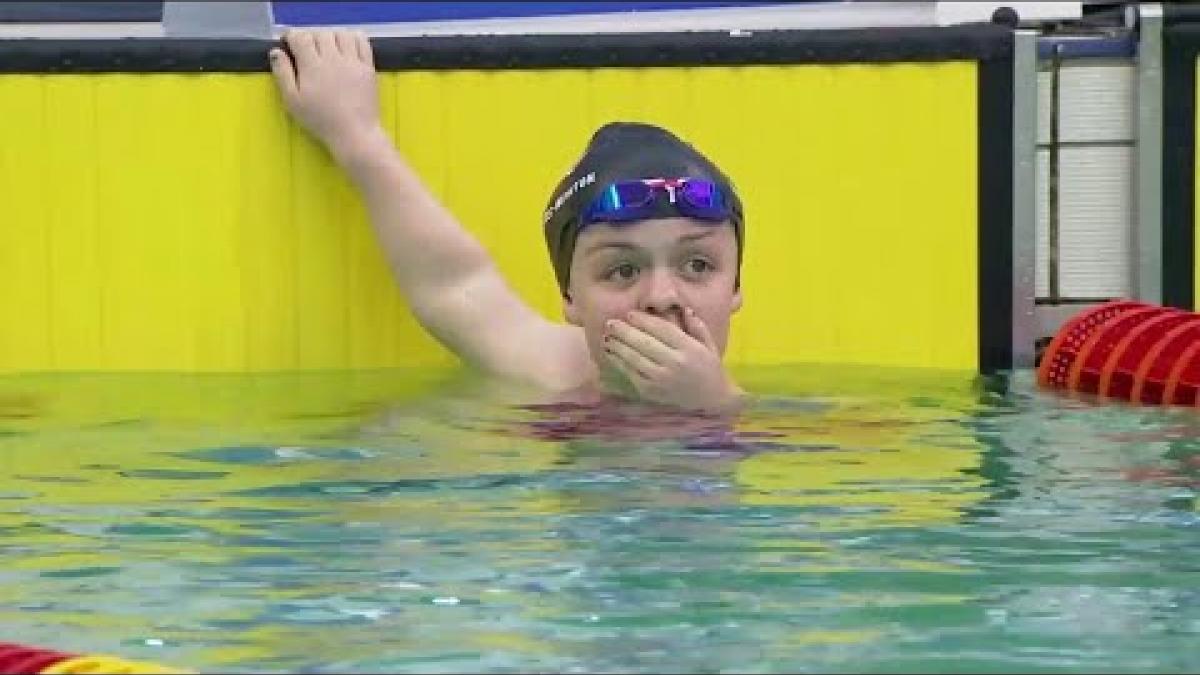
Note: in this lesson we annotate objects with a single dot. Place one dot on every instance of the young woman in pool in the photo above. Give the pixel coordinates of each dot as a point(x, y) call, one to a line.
point(645, 235)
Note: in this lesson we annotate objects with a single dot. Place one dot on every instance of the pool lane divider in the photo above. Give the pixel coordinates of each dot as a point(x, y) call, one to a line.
point(1127, 350)
point(21, 659)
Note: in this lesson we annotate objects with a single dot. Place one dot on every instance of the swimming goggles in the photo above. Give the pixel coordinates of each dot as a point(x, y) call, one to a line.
point(630, 200)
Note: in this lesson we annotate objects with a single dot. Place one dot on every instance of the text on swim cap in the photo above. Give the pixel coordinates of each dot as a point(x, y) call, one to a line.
point(567, 194)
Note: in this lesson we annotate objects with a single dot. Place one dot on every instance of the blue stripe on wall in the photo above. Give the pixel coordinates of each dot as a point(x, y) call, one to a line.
point(316, 13)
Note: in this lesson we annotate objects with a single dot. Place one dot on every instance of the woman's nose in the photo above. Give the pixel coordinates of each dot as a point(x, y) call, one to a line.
point(660, 295)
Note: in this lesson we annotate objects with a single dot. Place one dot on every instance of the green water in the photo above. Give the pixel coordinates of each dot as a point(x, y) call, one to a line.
point(851, 521)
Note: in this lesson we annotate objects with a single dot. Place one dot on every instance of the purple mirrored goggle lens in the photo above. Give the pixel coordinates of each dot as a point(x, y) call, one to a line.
point(626, 201)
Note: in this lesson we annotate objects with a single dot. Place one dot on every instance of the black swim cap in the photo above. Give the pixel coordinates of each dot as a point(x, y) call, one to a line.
point(624, 151)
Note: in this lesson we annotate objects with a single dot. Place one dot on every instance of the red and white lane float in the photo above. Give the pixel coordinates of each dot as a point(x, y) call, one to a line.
point(1126, 350)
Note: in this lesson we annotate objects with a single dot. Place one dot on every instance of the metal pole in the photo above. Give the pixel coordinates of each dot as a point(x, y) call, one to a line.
point(1147, 263)
point(1025, 121)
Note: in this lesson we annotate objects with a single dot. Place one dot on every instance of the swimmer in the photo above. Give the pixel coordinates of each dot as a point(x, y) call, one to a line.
point(644, 234)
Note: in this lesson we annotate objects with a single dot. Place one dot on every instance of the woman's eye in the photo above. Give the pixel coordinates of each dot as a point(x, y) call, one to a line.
point(623, 272)
point(697, 266)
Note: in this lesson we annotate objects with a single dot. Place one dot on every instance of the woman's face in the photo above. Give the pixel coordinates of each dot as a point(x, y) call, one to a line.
point(658, 266)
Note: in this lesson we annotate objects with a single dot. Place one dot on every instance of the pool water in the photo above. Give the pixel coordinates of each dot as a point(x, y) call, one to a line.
point(412, 521)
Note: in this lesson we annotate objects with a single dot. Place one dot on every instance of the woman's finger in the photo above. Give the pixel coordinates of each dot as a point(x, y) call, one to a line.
point(659, 328)
point(362, 46)
point(633, 359)
point(303, 46)
point(641, 341)
point(326, 42)
point(346, 44)
point(285, 73)
point(698, 329)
